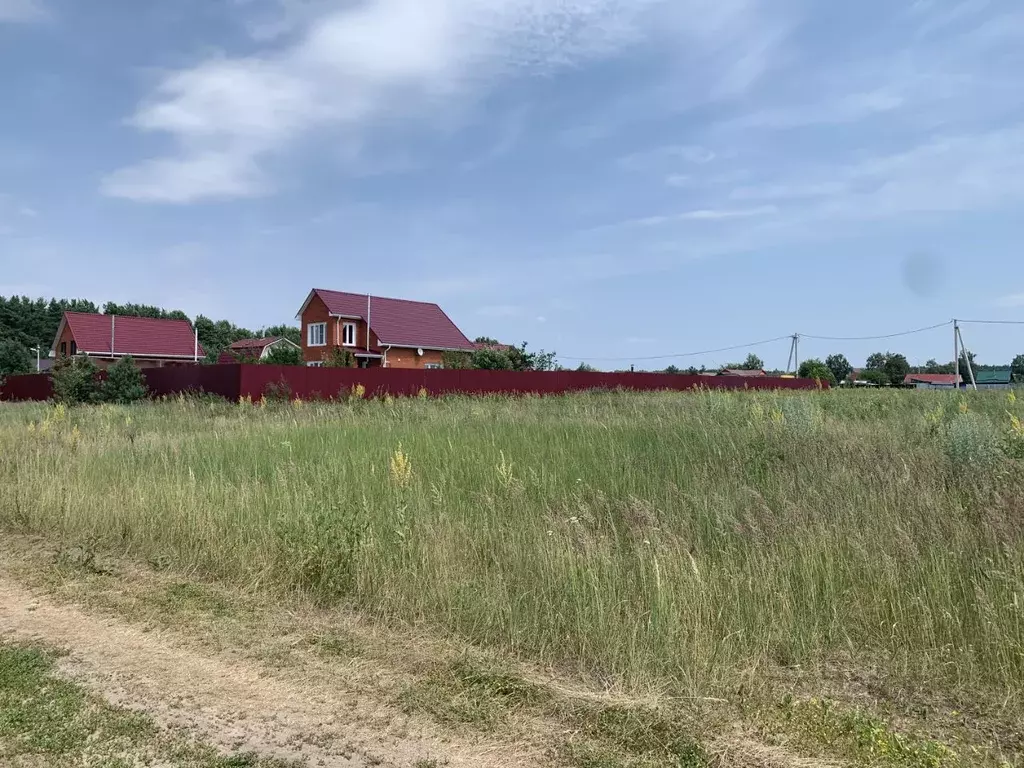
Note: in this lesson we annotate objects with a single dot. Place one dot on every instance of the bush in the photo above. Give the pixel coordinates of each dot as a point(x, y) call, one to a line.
point(283, 354)
point(971, 443)
point(75, 381)
point(815, 369)
point(339, 357)
point(124, 383)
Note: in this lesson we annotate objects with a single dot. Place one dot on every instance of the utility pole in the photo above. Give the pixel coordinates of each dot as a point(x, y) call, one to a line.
point(794, 355)
point(967, 358)
point(956, 353)
point(39, 365)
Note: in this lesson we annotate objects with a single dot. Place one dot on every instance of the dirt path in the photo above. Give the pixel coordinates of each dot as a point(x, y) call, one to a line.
point(233, 704)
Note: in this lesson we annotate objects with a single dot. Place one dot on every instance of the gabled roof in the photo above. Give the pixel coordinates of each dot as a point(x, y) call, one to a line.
point(494, 347)
point(747, 373)
point(1003, 376)
point(946, 379)
point(254, 343)
point(251, 349)
point(397, 322)
point(136, 336)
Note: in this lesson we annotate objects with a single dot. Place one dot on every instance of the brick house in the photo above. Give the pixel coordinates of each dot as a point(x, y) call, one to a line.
point(251, 350)
point(150, 342)
point(393, 333)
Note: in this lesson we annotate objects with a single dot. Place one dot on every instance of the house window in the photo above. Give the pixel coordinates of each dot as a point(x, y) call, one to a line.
point(74, 348)
point(63, 348)
point(433, 366)
point(315, 364)
point(348, 335)
point(316, 334)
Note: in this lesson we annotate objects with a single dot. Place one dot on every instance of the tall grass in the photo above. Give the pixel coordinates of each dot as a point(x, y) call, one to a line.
point(683, 541)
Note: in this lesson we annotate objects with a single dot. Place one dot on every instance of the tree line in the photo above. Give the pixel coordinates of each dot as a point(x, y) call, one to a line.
point(27, 323)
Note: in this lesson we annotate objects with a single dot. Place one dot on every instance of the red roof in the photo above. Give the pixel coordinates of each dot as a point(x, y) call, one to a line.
point(255, 343)
point(949, 379)
point(136, 336)
point(398, 322)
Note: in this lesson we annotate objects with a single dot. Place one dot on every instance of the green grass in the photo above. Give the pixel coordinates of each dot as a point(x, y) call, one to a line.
point(46, 720)
point(687, 543)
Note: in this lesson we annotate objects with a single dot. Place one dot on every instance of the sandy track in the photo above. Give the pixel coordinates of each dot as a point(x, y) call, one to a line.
point(235, 705)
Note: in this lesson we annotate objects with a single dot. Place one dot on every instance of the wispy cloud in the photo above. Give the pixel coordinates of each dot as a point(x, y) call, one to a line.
point(353, 67)
point(1011, 301)
point(22, 11)
point(704, 214)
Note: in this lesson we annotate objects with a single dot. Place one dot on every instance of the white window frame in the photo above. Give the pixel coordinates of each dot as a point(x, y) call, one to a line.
point(434, 366)
point(345, 334)
point(322, 335)
point(315, 364)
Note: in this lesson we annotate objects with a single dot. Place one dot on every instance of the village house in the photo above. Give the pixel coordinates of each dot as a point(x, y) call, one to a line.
point(377, 331)
point(150, 342)
point(252, 350)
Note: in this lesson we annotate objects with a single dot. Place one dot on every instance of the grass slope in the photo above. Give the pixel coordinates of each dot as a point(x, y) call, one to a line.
point(693, 544)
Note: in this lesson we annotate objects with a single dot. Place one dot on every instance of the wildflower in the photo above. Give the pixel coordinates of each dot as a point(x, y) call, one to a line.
point(31, 426)
point(297, 402)
point(963, 406)
point(1011, 397)
point(401, 467)
point(358, 391)
point(75, 437)
point(423, 394)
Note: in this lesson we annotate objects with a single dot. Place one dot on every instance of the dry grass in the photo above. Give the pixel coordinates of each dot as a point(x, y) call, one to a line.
point(688, 545)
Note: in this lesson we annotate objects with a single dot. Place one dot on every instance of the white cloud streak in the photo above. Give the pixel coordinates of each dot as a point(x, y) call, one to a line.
point(354, 70)
point(22, 11)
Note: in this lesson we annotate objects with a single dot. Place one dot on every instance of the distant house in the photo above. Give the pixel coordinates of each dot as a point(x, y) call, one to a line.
point(252, 350)
point(477, 346)
point(932, 380)
point(1001, 379)
point(393, 333)
point(150, 342)
point(749, 374)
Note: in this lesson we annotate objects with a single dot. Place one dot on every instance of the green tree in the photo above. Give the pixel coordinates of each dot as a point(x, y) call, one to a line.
point(14, 358)
point(586, 368)
point(874, 376)
point(124, 383)
point(290, 332)
point(896, 369)
point(1017, 368)
point(672, 369)
point(284, 354)
point(75, 380)
point(752, 363)
point(456, 361)
point(490, 359)
point(813, 368)
point(840, 367)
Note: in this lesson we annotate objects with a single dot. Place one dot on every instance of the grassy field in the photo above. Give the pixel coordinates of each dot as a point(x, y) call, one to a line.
point(692, 545)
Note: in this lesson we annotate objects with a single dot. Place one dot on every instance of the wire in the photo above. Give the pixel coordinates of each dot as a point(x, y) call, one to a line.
point(875, 338)
point(682, 354)
point(992, 322)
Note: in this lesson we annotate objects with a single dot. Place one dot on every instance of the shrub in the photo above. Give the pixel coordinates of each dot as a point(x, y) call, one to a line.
point(75, 381)
point(970, 442)
point(277, 391)
point(283, 354)
point(340, 358)
point(124, 383)
point(815, 369)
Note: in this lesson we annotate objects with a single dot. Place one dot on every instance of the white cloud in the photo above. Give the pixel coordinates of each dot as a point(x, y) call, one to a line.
point(704, 214)
point(673, 155)
point(22, 11)
point(354, 68)
point(212, 175)
point(1012, 301)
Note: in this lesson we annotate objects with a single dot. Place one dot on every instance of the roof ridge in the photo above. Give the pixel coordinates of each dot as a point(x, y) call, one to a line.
point(372, 296)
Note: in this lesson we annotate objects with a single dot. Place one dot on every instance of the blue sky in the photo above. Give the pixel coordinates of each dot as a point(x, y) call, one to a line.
point(607, 178)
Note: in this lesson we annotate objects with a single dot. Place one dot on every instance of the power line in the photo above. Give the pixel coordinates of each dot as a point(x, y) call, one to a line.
point(681, 354)
point(992, 322)
point(877, 338)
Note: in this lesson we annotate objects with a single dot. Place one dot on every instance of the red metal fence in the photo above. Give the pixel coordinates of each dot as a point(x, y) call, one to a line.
point(255, 381)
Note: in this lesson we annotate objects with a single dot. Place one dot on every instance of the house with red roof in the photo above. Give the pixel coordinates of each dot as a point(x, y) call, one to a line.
point(252, 350)
point(151, 343)
point(933, 380)
point(378, 331)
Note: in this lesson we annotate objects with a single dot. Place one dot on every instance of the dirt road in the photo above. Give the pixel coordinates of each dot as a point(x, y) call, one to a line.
point(230, 703)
